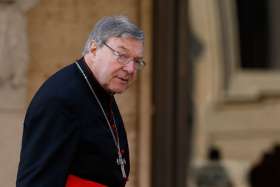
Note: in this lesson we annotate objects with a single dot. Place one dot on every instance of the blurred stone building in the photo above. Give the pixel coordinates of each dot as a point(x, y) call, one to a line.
point(211, 79)
point(236, 81)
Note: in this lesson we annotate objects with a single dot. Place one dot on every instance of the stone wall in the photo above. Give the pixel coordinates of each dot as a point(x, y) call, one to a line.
point(57, 31)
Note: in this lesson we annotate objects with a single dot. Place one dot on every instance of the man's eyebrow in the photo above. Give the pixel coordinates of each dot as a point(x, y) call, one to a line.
point(123, 48)
point(127, 51)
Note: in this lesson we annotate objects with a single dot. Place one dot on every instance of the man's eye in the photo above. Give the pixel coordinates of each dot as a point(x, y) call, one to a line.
point(137, 61)
point(123, 57)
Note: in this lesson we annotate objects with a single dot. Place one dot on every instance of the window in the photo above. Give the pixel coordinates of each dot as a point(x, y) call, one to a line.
point(258, 33)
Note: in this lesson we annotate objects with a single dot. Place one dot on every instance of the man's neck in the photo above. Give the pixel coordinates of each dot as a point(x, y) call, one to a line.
point(90, 64)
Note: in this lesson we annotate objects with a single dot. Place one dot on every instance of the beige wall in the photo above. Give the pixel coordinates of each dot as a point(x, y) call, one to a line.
point(57, 31)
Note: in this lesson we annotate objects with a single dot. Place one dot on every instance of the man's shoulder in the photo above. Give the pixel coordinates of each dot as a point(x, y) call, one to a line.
point(60, 85)
point(62, 76)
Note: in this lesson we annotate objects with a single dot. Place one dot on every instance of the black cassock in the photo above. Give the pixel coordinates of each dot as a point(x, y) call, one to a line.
point(66, 133)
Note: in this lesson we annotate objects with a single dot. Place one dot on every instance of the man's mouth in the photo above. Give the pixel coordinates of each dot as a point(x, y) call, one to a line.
point(123, 79)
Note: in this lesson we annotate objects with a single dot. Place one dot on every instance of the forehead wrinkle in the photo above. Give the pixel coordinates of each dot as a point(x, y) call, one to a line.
point(122, 48)
point(128, 51)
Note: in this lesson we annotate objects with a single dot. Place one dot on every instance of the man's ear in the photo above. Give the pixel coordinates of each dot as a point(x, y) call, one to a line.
point(93, 47)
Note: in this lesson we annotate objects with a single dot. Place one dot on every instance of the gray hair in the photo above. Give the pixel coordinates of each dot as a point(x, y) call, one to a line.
point(113, 26)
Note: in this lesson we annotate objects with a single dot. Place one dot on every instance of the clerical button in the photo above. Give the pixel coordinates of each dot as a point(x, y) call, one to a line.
point(113, 126)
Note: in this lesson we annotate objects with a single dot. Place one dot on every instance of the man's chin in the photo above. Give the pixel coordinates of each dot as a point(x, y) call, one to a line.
point(120, 89)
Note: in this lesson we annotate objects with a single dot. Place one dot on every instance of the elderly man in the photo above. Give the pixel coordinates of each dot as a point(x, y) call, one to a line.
point(73, 132)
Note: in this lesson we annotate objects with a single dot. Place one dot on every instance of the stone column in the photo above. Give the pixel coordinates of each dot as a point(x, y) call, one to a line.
point(13, 65)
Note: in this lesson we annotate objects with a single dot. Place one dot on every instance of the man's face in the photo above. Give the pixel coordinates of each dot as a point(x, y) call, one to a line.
point(110, 73)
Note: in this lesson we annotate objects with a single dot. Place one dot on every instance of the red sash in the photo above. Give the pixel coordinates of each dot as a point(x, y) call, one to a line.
point(74, 181)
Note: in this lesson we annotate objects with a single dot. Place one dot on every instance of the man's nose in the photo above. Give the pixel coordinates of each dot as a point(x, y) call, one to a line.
point(130, 67)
